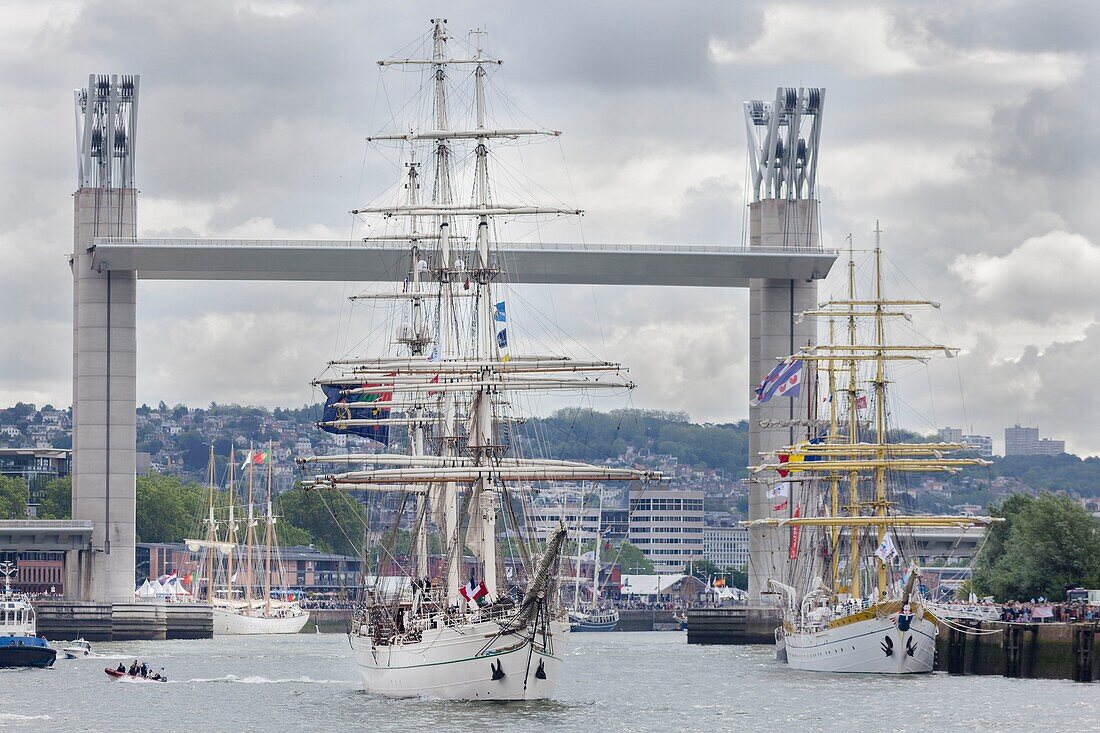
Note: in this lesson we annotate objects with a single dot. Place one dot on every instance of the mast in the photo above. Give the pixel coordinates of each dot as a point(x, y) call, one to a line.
point(853, 428)
point(231, 536)
point(269, 531)
point(250, 534)
point(880, 505)
point(834, 478)
point(211, 528)
point(596, 554)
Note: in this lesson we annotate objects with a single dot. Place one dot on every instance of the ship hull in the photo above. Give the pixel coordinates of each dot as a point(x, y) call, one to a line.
point(868, 644)
point(583, 626)
point(229, 623)
point(25, 652)
point(460, 663)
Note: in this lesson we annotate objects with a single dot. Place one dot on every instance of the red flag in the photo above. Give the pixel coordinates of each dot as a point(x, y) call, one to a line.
point(794, 534)
point(861, 402)
point(783, 458)
point(780, 507)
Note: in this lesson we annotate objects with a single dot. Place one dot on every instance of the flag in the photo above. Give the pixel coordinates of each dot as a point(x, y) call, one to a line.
point(789, 458)
point(785, 380)
point(886, 550)
point(795, 532)
point(781, 490)
point(258, 458)
point(233, 579)
point(780, 507)
point(337, 407)
point(434, 356)
point(473, 591)
point(500, 318)
point(861, 402)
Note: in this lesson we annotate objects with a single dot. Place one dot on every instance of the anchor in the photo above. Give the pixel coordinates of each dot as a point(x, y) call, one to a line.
point(540, 673)
point(888, 646)
point(910, 646)
point(498, 670)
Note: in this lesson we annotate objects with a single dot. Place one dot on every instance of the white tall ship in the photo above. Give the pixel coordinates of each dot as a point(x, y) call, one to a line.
point(442, 407)
point(852, 603)
point(238, 572)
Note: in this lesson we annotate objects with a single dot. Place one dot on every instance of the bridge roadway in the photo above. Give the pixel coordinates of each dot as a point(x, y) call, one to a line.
point(531, 263)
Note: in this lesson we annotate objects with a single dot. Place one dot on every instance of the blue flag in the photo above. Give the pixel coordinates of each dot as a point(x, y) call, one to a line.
point(337, 408)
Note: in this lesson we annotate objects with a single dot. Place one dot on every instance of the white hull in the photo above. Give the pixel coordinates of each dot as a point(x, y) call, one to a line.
point(232, 623)
point(869, 645)
point(459, 664)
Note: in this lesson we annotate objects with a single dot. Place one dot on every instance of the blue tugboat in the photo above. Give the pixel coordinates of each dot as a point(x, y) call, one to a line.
point(19, 643)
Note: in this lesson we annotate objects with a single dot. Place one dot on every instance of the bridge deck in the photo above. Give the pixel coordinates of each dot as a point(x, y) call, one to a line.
point(45, 535)
point(539, 263)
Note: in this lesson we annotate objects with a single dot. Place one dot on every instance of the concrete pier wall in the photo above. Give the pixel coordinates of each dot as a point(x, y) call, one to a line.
point(732, 625)
point(1034, 651)
point(64, 620)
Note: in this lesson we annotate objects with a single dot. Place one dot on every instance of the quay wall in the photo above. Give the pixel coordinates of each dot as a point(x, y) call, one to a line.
point(750, 624)
point(64, 620)
point(1065, 651)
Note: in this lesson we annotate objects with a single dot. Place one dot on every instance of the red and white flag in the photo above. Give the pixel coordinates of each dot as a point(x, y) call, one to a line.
point(474, 592)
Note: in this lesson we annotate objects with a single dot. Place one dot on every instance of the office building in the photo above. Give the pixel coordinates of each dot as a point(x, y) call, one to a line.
point(667, 526)
point(726, 547)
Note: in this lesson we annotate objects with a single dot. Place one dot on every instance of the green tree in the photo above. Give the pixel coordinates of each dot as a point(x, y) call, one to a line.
point(631, 560)
point(1044, 544)
point(55, 501)
point(14, 496)
point(168, 510)
point(332, 518)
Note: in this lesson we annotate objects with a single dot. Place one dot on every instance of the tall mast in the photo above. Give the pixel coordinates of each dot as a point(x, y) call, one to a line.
point(880, 411)
point(231, 537)
point(269, 531)
point(853, 426)
point(446, 308)
point(211, 528)
point(834, 478)
point(596, 553)
point(250, 534)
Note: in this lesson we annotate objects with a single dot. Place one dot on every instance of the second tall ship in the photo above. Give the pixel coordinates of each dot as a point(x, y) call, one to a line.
point(851, 603)
point(493, 628)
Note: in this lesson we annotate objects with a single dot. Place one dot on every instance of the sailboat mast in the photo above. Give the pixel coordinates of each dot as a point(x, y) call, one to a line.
point(211, 529)
point(487, 494)
point(446, 308)
point(834, 478)
point(853, 426)
point(231, 537)
point(269, 531)
point(880, 411)
point(250, 534)
point(596, 553)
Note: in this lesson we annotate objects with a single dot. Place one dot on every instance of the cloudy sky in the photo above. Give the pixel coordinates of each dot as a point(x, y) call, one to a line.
point(968, 129)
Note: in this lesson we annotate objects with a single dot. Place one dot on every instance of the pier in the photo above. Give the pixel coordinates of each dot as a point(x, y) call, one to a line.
point(1057, 651)
point(62, 620)
point(750, 624)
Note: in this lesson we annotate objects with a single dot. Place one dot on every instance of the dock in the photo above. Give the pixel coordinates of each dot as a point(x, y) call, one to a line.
point(748, 624)
point(1058, 651)
point(61, 620)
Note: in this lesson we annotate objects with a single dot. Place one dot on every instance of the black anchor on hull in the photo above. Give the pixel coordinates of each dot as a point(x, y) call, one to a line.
point(888, 646)
point(540, 673)
point(498, 670)
point(910, 646)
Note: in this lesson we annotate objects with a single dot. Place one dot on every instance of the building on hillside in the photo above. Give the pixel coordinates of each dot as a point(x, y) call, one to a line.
point(667, 526)
point(1048, 447)
point(1026, 442)
point(1021, 441)
point(36, 466)
point(980, 444)
point(726, 547)
point(951, 435)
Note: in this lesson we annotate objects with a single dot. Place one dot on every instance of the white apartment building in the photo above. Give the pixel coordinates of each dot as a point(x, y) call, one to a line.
point(667, 526)
point(726, 547)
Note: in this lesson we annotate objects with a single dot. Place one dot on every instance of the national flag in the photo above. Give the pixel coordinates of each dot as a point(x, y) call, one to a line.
point(861, 402)
point(337, 407)
point(789, 458)
point(765, 383)
point(886, 550)
point(473, 591)
point(259, 458)
point(780, 507)
point(780, 490)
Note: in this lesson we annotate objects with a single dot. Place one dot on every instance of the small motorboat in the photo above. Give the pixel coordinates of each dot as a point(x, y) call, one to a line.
point(127, 677)
point(77, 649)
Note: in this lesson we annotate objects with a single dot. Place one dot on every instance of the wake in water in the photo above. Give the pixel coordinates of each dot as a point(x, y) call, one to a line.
point(254, 680)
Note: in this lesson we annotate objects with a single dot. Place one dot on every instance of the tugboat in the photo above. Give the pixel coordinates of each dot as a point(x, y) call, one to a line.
point(19, 643)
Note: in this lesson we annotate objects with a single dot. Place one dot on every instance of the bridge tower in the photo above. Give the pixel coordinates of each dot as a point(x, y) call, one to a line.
point(104, 340)
point(783, 139)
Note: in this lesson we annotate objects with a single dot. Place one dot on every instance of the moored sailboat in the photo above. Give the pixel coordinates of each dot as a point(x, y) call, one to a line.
point(849, 606)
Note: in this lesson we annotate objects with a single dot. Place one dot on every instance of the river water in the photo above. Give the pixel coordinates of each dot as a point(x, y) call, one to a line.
point(615, 682)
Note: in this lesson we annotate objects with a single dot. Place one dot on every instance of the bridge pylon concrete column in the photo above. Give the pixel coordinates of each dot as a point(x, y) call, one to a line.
point(774, 333)
point(104, 395)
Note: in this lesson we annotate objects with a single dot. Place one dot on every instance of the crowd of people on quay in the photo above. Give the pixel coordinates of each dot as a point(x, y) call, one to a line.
point(1040, 610)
